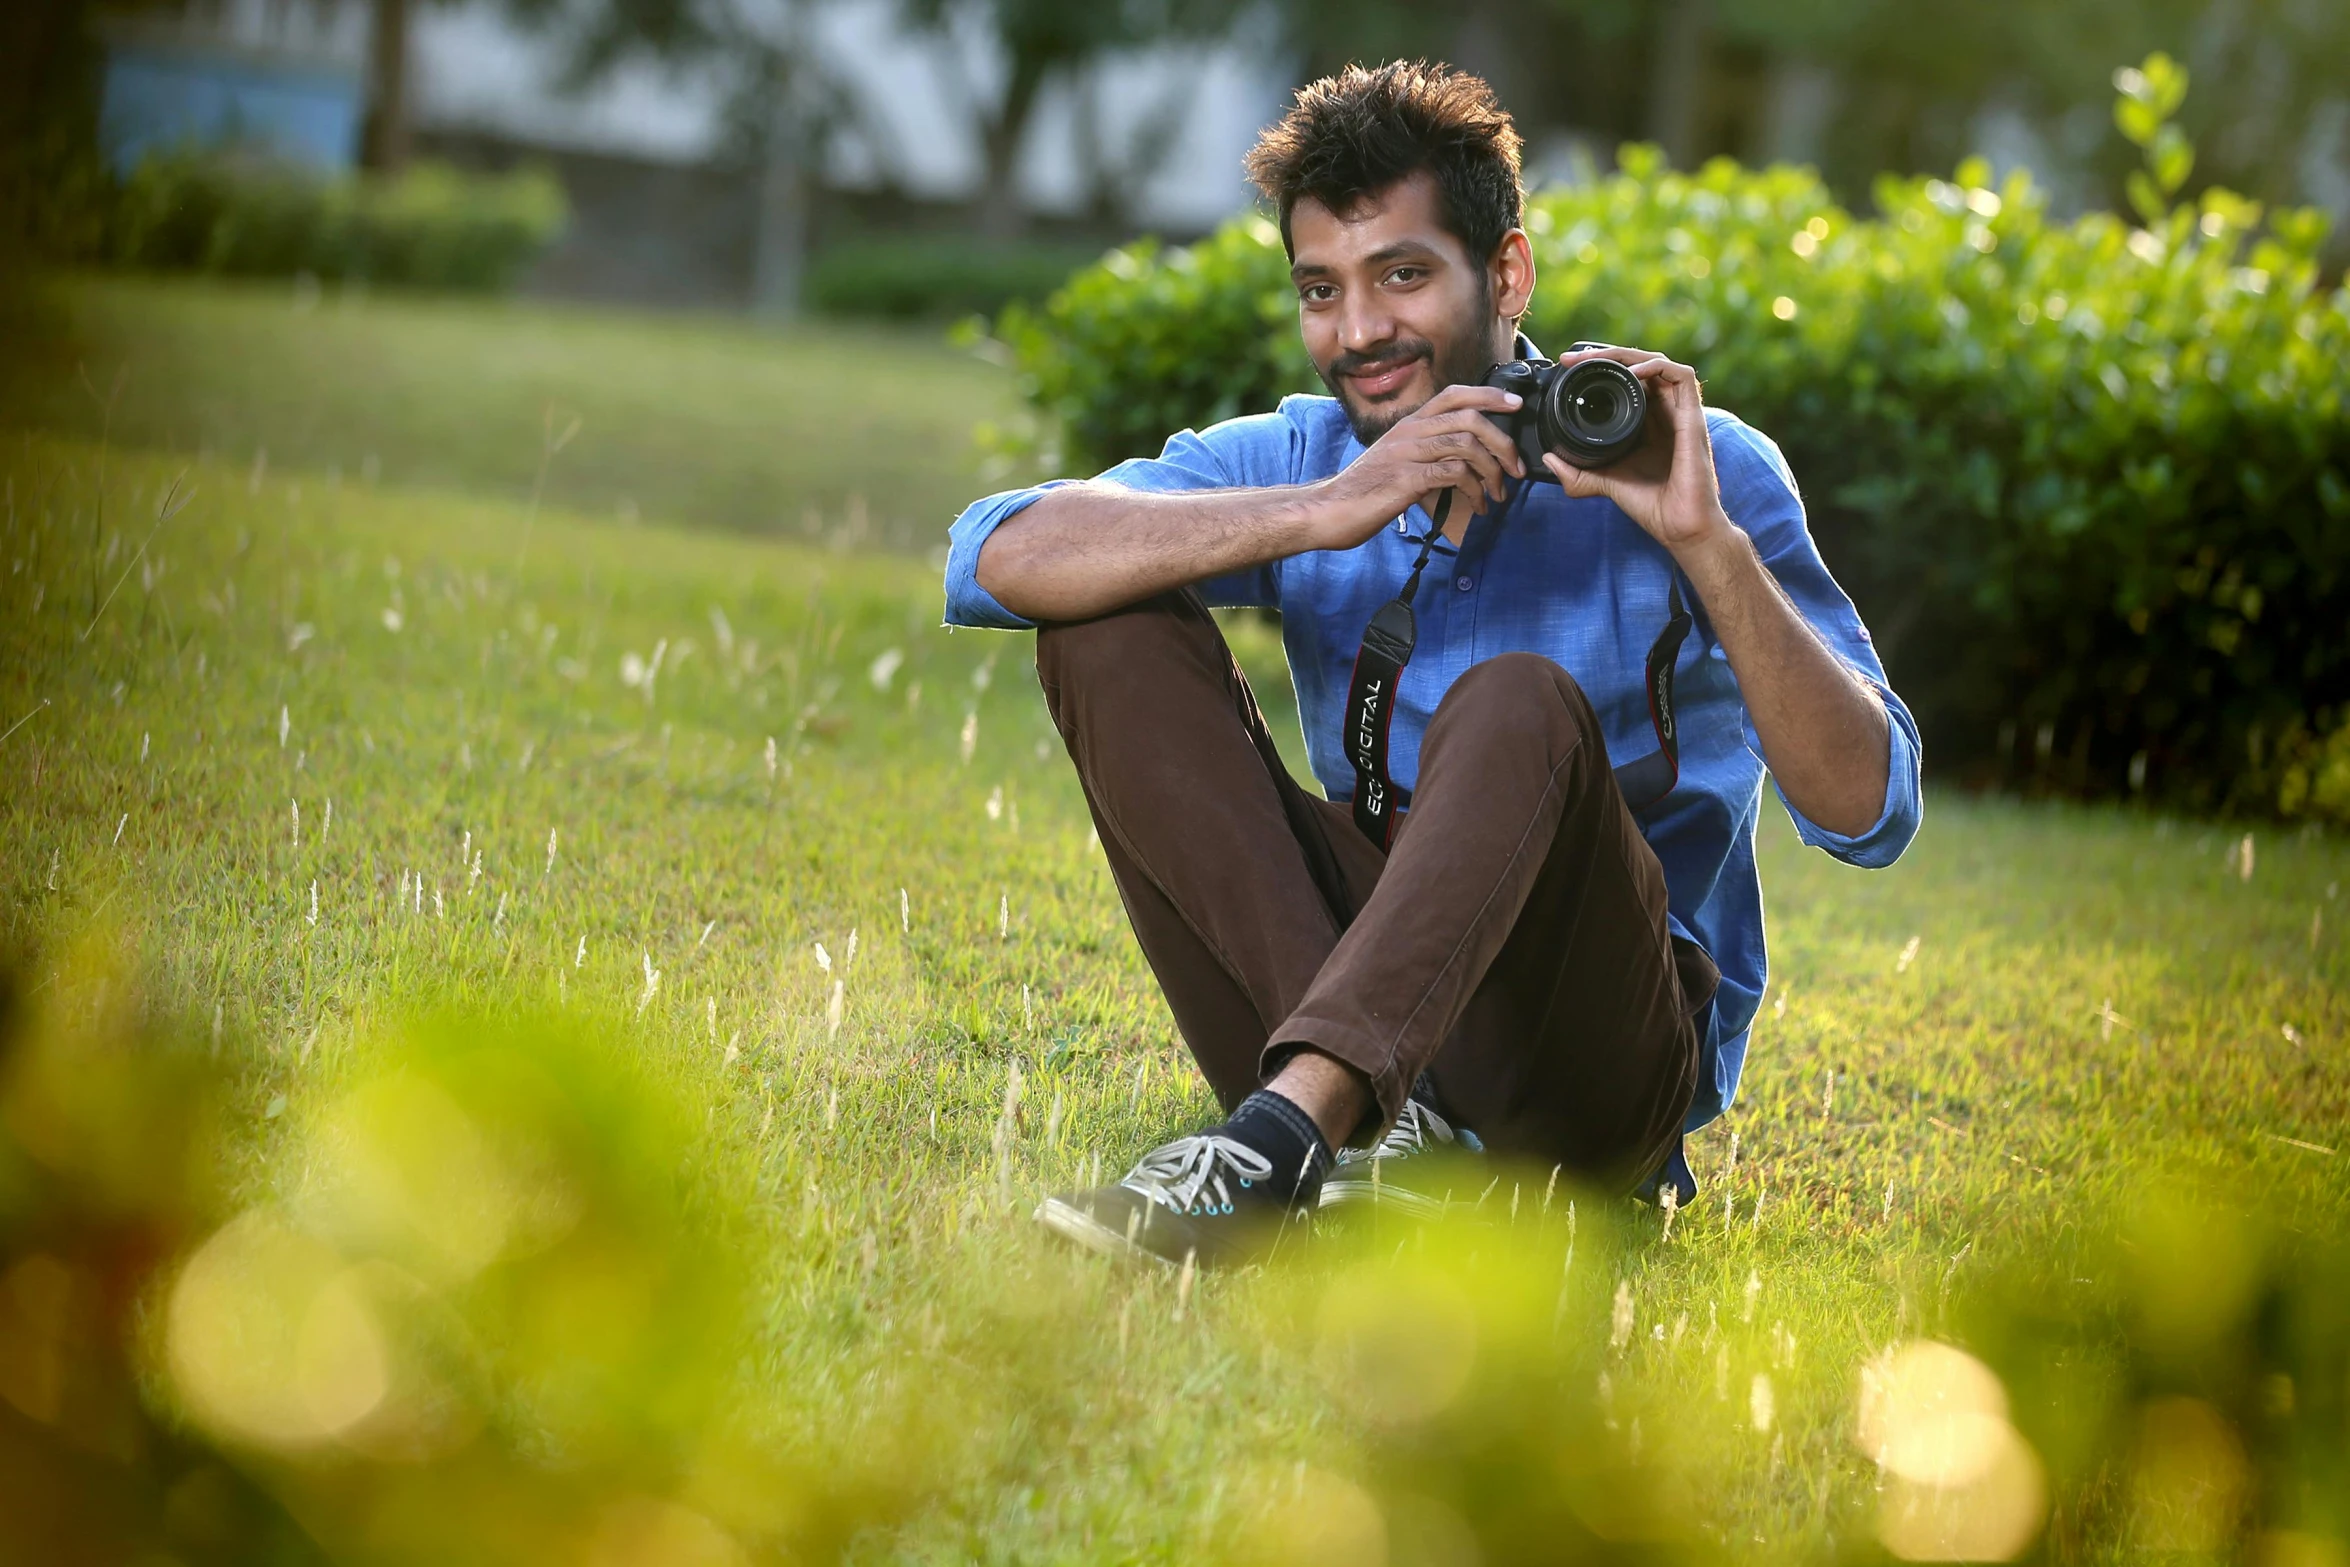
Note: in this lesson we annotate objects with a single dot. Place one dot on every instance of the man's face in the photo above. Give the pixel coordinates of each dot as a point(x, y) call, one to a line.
point(1392, 307)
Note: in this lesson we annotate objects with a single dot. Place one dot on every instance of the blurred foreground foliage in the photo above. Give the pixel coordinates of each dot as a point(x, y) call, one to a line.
point(2187, 1387)
point(491, 1305)
point(428, 227)
point(2089, 481)
point(494, 1308)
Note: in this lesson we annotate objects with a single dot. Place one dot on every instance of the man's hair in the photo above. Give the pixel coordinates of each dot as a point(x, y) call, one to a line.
point(1354, 134)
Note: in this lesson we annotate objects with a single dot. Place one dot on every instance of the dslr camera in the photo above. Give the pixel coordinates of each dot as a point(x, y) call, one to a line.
point(1589, 414)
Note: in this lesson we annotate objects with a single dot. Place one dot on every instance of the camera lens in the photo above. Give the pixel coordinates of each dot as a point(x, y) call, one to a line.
point(1596, 414)
point(1595, 409)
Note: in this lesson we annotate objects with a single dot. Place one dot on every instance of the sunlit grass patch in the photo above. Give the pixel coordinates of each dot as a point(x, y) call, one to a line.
point(342, 760)
point(860, 432)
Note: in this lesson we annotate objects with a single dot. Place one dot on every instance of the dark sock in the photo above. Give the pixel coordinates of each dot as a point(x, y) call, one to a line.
point(1424, 1090)
point(1286, 1136)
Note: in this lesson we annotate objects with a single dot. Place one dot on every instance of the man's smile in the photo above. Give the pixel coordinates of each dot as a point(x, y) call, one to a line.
point(1384, 379)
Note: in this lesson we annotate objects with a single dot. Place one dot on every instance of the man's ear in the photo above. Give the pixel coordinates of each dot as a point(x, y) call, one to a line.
point(1512, 272)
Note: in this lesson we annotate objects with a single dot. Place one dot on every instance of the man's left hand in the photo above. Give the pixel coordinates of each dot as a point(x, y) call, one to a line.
point(1825, 734)
point(1668, 486)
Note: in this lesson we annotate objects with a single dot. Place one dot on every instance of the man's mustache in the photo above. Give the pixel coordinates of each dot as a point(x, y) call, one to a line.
point(1386, 359)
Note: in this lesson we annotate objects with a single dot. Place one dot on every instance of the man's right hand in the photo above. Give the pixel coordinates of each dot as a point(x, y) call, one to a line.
point(1084, 549)
point(1447, 443)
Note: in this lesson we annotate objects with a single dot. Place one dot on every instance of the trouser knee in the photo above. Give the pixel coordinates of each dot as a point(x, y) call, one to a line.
point(1070, 651)
point(1509, 689)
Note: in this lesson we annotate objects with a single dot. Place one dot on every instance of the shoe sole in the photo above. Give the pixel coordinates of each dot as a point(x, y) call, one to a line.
point(1080, 1228)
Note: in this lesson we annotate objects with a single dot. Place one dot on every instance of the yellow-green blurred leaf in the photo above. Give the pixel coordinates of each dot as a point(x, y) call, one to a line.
point(2172, 159)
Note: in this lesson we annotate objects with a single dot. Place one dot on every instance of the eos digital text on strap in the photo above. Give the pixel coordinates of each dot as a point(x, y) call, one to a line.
point(1387, 646)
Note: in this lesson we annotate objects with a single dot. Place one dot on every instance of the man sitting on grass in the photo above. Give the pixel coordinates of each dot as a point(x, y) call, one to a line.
point(1524, 960)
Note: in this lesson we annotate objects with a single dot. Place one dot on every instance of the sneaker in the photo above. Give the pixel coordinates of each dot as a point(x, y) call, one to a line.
point(1208, 1196)
point(1406, 1169)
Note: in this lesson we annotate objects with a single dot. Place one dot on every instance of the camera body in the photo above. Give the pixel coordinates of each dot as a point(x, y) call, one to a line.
point(1589, 414)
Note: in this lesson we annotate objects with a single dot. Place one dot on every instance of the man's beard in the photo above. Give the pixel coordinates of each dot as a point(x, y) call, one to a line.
point(1464, 363)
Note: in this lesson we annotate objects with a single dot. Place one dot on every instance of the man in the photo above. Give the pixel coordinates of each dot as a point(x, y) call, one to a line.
point(1522, 964)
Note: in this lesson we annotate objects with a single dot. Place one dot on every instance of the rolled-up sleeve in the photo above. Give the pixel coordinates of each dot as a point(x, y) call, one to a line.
point(1254, 451)
point(1759, 493)
point(1904, 808)
point(969, 604)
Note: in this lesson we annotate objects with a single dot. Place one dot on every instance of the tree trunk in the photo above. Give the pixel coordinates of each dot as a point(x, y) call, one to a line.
point(1485, 44)
point(780, 258)
point(1097, 167)
point(1677, 81)
point(1798, 111)
point(383, 143)
point(1000, 213)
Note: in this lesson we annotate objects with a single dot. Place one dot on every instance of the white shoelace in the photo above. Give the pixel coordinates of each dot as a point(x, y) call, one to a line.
point(1413, 1131)
point(1188, 1175)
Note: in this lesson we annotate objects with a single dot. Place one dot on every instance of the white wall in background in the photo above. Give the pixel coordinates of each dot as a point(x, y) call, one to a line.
point(476, 71)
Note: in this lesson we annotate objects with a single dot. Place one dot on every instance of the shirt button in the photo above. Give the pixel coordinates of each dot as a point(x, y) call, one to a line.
point(1463, 583)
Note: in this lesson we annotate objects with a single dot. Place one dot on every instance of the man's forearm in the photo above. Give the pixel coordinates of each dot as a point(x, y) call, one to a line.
point(1824, 732)
point(1086, 549)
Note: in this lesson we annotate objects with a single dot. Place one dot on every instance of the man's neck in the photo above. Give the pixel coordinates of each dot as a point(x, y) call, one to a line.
point(1456, 526)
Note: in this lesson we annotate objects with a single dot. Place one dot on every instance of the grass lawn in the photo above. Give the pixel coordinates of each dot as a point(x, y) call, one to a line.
point(697, 420)
point(330, 757)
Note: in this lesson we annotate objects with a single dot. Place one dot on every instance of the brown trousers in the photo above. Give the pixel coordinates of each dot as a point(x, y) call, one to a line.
point(1512, 942)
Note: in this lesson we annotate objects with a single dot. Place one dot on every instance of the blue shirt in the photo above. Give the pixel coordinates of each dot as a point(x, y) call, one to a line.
point(1576, 581)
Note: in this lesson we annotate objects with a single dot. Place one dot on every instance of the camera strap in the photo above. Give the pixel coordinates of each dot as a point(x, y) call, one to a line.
point(1379, 664)
point(1370, 694)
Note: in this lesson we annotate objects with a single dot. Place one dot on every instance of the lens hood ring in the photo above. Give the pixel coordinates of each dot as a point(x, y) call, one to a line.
point(1594, 413)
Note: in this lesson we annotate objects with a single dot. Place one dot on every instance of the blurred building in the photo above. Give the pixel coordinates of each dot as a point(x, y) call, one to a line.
point(666, 200)
point(287, 81)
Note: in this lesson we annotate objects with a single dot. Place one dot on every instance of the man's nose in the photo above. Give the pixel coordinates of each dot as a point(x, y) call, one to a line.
point(1364, 324)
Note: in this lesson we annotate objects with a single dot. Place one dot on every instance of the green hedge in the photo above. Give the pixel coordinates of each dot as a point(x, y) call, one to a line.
point(429, 227)
point(917, 278)
point(2089, 481)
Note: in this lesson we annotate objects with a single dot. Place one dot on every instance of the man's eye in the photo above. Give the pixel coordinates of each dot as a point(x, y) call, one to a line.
point(1405, 274)
point(1317, 293)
